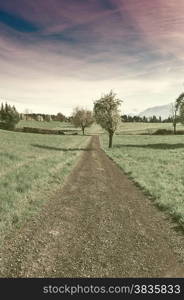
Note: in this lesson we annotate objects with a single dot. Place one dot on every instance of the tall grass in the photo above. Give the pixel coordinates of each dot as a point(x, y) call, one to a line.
point(31, 167)
point(156, 163)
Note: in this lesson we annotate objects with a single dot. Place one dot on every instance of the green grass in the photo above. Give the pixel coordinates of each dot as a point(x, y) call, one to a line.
point(124, 128)
point(94, 129)
point(139, 128)
point(156, 163)
point(48, 125)
point(32, 166)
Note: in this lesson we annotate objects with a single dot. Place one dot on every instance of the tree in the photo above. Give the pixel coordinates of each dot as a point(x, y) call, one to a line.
point(9, 116)
point(107, 114)
point(182, 113)
point(180, 101)
point(174, 116)
point(60, 117)
point(82, 118)
point(180, 107)
point(47, 118)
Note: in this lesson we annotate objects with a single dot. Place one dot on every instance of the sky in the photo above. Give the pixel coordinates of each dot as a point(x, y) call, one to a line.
point(59, 54)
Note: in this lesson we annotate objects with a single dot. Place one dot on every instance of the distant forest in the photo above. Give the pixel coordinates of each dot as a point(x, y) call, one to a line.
point(125, 118)
point(153, 119)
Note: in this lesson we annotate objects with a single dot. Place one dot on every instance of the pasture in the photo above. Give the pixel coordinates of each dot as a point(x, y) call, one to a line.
point(142, 128)
point(123, 128)
point(156, 164)
point(48, 125)
point(32, 166)
point(94, 129)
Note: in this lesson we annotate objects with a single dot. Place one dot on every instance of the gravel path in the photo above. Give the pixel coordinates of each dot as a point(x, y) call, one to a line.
point(98, 225)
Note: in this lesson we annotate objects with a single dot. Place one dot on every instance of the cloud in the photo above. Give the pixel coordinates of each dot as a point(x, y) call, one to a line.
point(56, 54)
point(159, 22)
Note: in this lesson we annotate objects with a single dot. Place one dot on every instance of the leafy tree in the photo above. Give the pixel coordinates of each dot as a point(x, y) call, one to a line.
point(182, 114)
point(60, 117)
point(82, 118)
point(9, 116)
point(180, 101)
point(180, 107)
point(107, 114)
point(174, 117)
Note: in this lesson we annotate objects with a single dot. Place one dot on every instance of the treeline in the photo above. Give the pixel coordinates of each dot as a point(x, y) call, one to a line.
point(45, 117)
point(62, 118)
point(144, 119)
point(9, 116)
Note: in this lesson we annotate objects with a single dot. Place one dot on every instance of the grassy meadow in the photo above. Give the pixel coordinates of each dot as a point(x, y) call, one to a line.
point(141, 128)
point(32, 166)
point(94, 129)
point(48, 125)
point(124, 128)
point(156, 163)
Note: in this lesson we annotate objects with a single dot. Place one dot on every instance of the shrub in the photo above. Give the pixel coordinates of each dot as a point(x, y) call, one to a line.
point(163, 131)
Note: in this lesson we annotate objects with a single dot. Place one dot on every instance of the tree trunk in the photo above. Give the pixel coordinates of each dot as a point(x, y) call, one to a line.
point(110, 140)
point(83, 130)
point(174, 128)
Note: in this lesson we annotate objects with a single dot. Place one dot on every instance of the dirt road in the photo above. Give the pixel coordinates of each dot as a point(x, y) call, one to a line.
point(98, 225)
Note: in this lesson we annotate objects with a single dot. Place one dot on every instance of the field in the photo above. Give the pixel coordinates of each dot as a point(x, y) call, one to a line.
point(100, 224)
point(148, 128)
point(124, 128)
point(156, 163)
point(48, 125)
point(31, 167)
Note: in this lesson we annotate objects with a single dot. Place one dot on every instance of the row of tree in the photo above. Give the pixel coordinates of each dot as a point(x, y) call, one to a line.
point(144, 119)
point(44, 117)
point(106, 113)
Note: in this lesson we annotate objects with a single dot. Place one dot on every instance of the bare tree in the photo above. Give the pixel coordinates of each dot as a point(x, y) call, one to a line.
point(107, 113)
point(82, 118)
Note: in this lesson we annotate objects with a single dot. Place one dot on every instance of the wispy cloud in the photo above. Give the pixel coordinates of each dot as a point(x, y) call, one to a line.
point(55, 54)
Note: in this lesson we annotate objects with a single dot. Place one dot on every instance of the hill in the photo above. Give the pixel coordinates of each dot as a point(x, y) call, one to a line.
point(164, 111)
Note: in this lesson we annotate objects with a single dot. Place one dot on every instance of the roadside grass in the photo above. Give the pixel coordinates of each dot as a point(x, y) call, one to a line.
point(31, 168)
point(156, 164)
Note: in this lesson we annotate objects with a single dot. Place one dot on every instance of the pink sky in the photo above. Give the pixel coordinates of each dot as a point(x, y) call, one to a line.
point(69, 52)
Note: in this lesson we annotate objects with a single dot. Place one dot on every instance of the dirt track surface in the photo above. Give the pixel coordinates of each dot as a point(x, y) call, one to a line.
point(98, 225)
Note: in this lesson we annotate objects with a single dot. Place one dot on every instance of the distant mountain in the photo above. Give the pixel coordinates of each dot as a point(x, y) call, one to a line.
point(164, 111)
